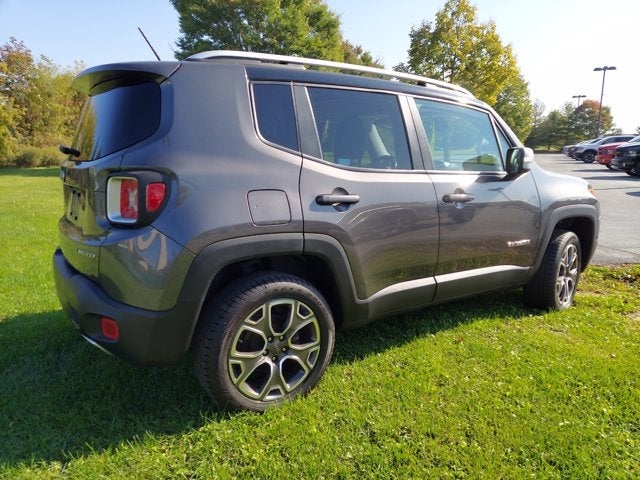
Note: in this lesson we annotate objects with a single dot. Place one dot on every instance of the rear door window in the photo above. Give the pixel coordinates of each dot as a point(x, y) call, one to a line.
point(360, 129)
point(116, 118)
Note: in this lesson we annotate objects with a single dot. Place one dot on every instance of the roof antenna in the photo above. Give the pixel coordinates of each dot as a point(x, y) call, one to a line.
point(149, 43)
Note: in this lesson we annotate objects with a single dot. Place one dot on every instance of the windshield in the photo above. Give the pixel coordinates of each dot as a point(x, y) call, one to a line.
point(117, 118)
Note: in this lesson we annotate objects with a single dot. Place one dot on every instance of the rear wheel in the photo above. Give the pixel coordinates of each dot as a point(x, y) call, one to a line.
point(267, 339)
point(554, 284)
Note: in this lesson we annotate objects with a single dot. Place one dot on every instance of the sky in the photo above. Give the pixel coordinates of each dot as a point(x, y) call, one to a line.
point(557, 43)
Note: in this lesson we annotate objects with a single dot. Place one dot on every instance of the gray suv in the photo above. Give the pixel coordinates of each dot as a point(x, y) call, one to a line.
point(245, 206)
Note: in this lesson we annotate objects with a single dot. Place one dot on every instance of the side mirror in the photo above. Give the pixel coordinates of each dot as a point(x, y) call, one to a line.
point(515, 160)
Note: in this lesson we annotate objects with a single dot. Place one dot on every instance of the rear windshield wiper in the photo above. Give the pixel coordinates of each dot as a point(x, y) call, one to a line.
point(69, 151)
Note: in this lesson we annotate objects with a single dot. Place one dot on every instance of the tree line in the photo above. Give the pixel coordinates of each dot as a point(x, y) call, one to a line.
point(39, 109)
point(570, 124)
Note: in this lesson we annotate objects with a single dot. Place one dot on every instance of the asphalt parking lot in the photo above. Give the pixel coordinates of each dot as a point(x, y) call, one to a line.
point(619, 196)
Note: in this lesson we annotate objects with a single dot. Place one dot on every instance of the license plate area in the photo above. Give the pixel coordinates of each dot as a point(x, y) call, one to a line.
point(74, 204)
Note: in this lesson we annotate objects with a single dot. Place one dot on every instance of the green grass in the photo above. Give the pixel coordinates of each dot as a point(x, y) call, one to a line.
point(482, 388)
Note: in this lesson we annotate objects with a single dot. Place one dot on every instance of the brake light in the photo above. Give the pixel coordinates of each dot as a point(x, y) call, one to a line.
point(155, 196)
point(135, 198)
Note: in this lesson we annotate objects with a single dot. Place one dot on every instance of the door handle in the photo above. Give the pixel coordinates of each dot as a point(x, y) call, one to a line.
point(457, 198)
point(336, 199)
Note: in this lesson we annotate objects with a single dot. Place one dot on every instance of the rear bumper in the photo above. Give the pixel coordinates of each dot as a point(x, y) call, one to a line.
point(146, 336)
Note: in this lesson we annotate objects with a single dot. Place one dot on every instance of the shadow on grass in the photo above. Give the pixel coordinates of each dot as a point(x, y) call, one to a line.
point(395, 331)
point(60, 398)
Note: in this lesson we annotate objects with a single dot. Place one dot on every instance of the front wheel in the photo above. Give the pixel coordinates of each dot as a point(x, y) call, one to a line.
point(588, 157)
point(554, 284)
point(266, 339)
point(634, 171)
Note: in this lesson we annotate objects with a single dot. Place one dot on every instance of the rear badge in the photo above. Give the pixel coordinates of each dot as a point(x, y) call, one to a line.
point(519, 243)
point(84, 253)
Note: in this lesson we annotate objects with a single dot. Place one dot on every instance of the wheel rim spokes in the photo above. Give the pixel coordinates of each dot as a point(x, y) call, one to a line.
point(567, 275)
point(274, 350)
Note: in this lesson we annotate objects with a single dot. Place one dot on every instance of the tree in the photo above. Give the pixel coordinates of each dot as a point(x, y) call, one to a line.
point(38, 106)
point(587, 119)
point(459, 49)
point(356, 55)
point(16, 74)
point(306, 28)
point(292, 27)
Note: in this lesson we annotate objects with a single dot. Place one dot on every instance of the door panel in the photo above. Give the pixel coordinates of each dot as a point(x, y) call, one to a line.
point(361, 189)
point(498, 226)
point(489, 220)
point(390, 234)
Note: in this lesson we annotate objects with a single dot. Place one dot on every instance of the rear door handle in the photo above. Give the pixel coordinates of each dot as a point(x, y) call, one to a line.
point(336, 199)
point(457, 198)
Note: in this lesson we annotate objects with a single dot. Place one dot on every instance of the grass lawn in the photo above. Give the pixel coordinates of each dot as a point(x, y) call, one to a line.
point(482, 388)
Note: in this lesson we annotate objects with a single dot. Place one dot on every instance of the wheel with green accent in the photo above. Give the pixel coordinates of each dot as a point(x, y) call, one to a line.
point(266, 339)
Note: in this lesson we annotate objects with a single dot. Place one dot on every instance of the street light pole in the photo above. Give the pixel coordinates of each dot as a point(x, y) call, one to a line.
point(579, 97)
point(575, 113)
point(604, 74)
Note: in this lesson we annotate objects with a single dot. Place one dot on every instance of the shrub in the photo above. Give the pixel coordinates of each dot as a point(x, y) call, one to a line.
point(29, 157)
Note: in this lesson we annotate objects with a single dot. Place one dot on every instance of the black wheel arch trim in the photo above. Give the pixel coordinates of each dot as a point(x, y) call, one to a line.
point(215, 257)
point(562, 217)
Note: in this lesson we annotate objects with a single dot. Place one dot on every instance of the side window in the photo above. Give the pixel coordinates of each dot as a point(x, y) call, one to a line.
point(460, 138)
point(275, 115)
point(360, 129)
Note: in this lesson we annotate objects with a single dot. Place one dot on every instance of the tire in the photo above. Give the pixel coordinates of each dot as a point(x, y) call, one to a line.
point(588, 157)
point(554, 285)
point(268, 338)
point(634, 171)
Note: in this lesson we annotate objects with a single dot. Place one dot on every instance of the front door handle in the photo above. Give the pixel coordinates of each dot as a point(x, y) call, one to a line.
point(336, 199)
point(457, 198)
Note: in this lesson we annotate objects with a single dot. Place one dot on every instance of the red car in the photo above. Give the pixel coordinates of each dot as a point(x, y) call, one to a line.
point(607, 151)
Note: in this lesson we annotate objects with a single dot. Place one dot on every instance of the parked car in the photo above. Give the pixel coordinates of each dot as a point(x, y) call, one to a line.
point(239, 206)
point(628, 158)
point(568, 150)
point(587, 151)
point(607, 151)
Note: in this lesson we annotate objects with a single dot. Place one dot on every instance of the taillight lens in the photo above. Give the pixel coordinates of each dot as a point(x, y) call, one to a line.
point(155, 196)
point(129, 199)
point(135, 198)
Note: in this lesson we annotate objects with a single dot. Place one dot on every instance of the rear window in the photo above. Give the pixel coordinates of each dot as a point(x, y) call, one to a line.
point(117, 118)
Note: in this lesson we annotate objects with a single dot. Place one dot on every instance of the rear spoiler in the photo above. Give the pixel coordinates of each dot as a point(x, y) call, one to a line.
point(105, 77)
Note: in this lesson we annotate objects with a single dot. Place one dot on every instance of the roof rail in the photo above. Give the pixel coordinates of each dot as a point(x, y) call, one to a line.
point(285, 59)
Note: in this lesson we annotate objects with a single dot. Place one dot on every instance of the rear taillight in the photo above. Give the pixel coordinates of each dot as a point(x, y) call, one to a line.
point(135, 198)
point(155, 196)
